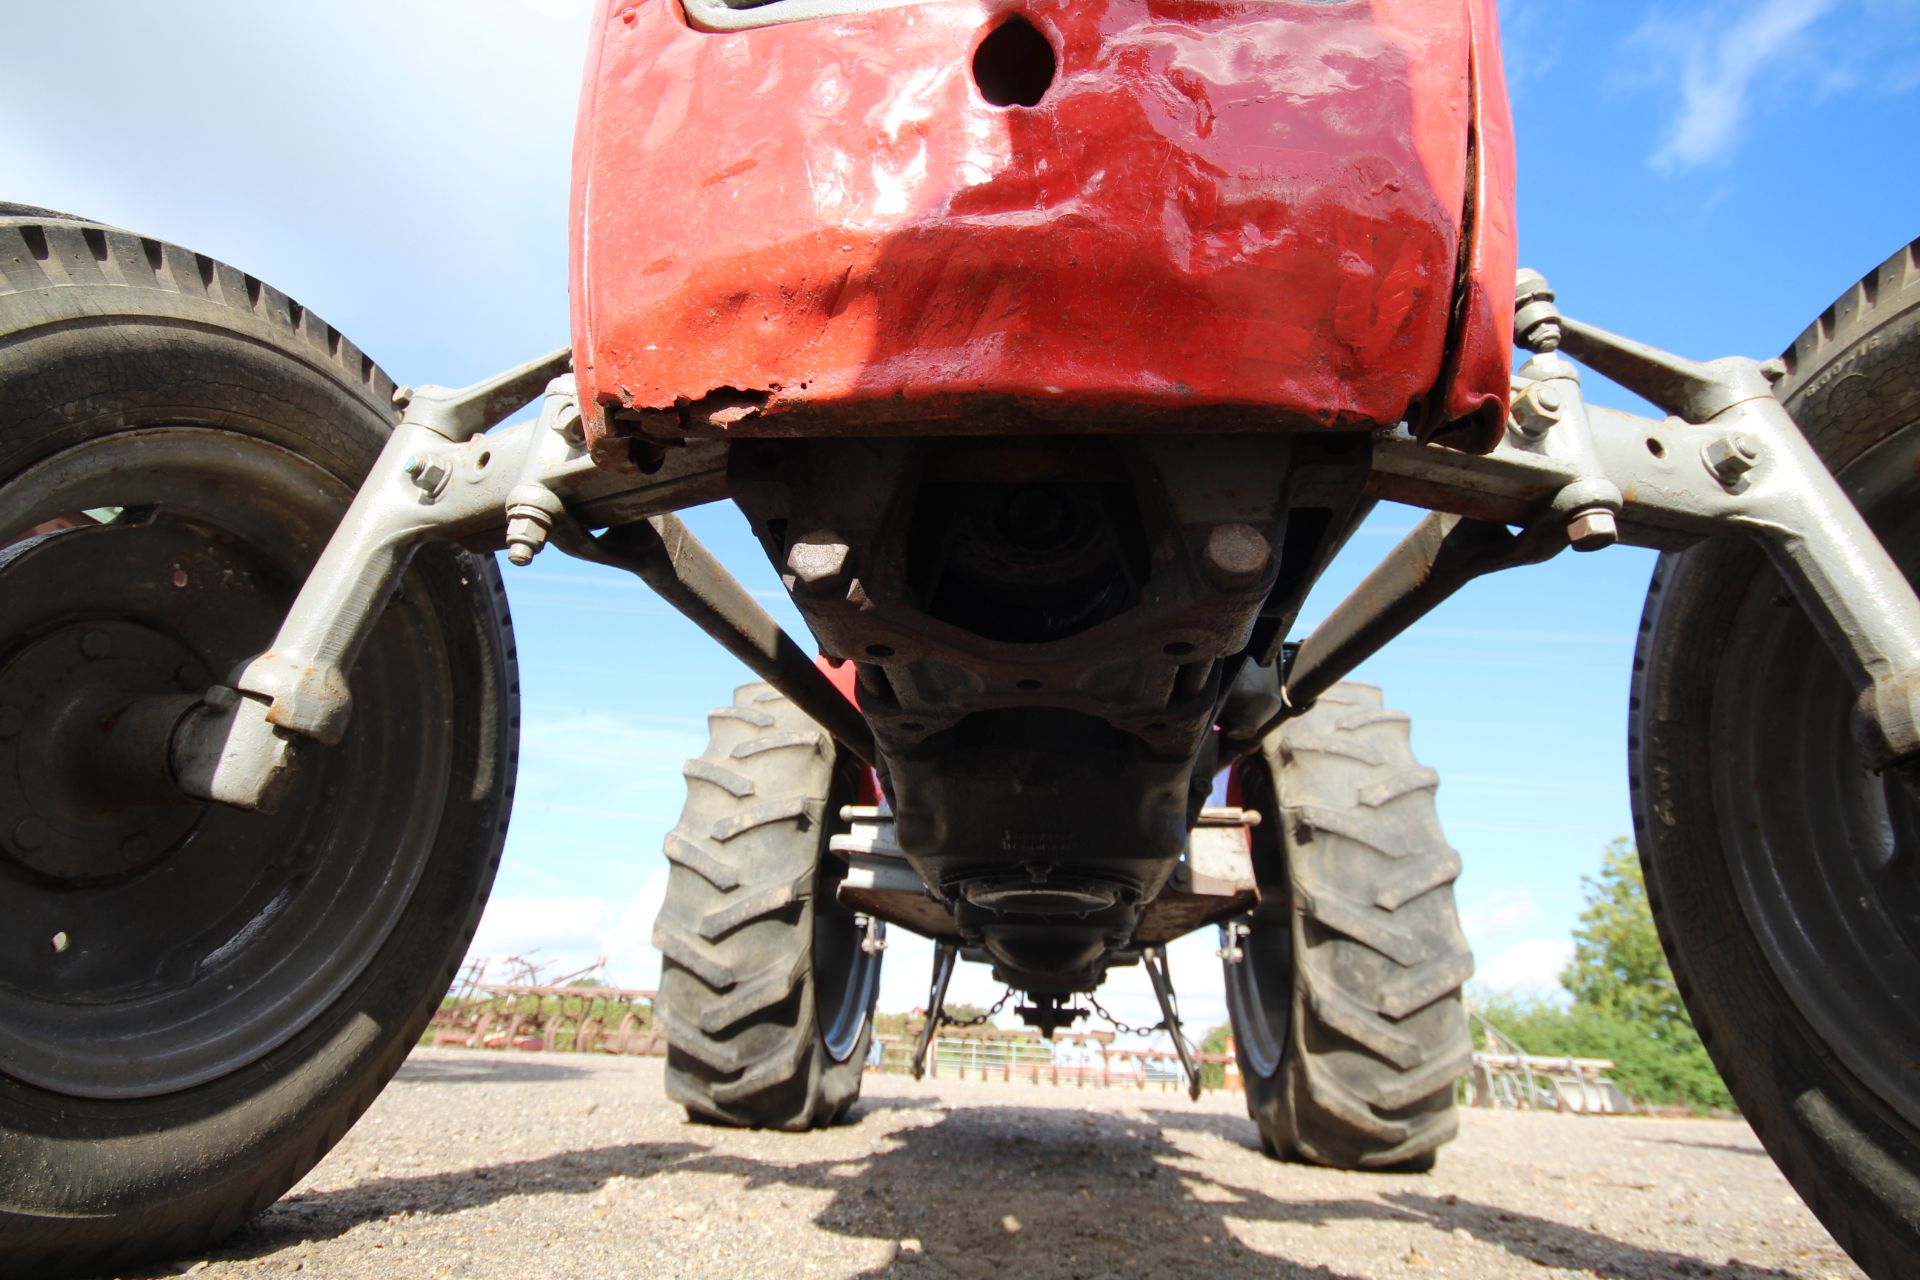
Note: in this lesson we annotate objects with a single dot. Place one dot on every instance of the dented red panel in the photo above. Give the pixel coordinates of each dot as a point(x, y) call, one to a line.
point(1477, 396)
point(1220, 214)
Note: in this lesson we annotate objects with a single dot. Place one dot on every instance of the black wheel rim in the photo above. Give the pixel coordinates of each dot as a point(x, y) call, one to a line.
point(1260, 983)
point(219, 935)
point(1825, 855)
point(846, 977)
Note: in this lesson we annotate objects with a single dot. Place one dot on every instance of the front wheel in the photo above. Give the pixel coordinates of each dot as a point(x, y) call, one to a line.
point(767, 988)
point(1344, 990)
point(195, 1002)
point(1783, 873)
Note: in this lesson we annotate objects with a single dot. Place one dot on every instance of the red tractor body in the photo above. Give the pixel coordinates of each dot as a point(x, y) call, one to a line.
point(1270, 214)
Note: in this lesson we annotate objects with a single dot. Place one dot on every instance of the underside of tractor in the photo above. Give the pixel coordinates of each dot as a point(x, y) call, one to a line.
point(1043, 636)
point(1051, 350)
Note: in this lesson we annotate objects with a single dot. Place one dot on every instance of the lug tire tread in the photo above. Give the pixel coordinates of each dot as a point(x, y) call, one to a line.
point(1378, 1032)
point(736, 927)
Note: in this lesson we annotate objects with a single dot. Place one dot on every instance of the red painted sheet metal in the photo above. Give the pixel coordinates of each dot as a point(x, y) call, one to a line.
point(1252, 207)
point(1477, 397)
point(843, 674)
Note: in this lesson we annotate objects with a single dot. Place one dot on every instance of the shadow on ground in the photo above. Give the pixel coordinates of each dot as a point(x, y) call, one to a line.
point(501, 1070)
point(1724, 1148)
point(1093, 1194)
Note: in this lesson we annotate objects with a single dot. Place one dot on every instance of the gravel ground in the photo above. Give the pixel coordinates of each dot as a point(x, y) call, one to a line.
point(493, 1165)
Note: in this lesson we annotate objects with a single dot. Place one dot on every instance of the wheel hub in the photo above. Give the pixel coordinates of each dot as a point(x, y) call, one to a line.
point(89, 690)
point(71, 806)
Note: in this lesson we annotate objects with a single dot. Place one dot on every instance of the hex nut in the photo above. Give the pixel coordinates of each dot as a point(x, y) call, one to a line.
point(1537, 409)
point(819, 562)
point(526, 535)
point(1237, 556)
point(1593, 530)
point(1730, 457)
point(1536, 320)
point(428, 474)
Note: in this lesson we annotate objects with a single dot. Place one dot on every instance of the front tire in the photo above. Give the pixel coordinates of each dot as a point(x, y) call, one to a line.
point(196, 1003)
point(767, 994)
point(1781, 871)
point(1347, 1016)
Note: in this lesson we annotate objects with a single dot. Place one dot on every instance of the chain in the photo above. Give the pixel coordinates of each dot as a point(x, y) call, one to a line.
point(951, 1021)
point(1122, 1027)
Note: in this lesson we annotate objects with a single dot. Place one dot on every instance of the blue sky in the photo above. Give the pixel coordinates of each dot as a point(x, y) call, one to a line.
point(1706, 177)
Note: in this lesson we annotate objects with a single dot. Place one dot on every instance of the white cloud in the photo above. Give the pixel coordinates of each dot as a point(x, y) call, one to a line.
point(1500, 913)
point(1720, 54)
point(1533, 40)
point(566, 932)
point(1530, 967)
point(520, 925)
point(412, 173)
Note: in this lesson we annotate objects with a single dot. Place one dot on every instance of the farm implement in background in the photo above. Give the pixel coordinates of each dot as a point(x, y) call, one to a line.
point(573, 1013)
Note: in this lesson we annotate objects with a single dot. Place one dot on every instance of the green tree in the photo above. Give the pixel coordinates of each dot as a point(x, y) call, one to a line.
point(1625, 1004)
point(1213, 1075)
point(1618, 964)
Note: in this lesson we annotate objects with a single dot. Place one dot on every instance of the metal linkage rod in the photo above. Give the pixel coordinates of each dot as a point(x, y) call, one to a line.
point(944, 955)
point(1442, 554)
point(1154, 961)
point(661, 552)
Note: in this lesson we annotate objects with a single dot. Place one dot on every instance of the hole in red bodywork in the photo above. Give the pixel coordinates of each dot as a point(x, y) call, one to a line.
point(1014, 65)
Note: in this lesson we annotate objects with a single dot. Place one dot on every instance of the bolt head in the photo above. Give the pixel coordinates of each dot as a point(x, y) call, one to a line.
point(29, 833)
point(819, 562)
point(1593, 530)
point(96, 645)
point(1237, 556)
point(136, 848)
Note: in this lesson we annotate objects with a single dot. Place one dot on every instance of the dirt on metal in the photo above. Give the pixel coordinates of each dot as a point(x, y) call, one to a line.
point(479, 1164)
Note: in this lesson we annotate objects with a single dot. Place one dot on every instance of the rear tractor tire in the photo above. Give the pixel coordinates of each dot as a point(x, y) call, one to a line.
point(766, 991)
point(1345, 1000)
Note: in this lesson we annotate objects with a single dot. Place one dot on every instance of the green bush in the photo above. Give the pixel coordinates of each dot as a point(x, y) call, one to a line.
point(1625, 1004)
point(1213, 1075)
point(1654, 1066)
